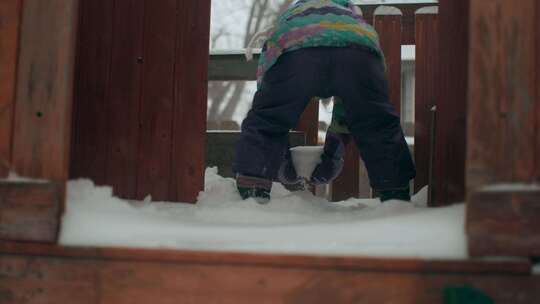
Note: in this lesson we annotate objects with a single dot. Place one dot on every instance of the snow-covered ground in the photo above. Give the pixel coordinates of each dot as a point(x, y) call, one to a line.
point(297, 223)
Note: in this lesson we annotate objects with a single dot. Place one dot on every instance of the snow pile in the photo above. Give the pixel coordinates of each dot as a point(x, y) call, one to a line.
point(291, 223)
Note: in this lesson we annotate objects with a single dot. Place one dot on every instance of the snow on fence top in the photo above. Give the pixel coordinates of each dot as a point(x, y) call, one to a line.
point(428, 10)
point(385, 10)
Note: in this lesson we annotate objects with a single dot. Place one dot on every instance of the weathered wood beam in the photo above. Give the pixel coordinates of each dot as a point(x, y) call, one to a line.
point(502, 126)
point(59, 274)
point(42, 121)
point(427, 61)
point(10, 17)
point(30, 211)
point(504, 223)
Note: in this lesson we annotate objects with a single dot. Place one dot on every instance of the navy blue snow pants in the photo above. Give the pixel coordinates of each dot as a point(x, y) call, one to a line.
point(358, 77)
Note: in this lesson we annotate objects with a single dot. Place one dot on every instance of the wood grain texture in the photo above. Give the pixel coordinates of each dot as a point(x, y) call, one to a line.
point(191, 83)
point(504, 223)
point(90, 126)
point(427, 60)
point(44, 89)
point(30, 211)
point(389, 30)
point(10, 18)
point(134, 276)
point(309, 122)
point(157, 100)
point(347, 184)
point(452, 78)
point(123, 97)
point(502, 86)
point(356, 263)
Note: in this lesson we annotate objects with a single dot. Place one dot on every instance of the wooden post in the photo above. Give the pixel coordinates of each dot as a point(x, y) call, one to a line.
point(502, 127)
point(123, 97)
point(10, 17)
point(452, 75)
point(427, 54)
point(29, 211)
point(191, 85)
point(157, 100)
point(309, 122)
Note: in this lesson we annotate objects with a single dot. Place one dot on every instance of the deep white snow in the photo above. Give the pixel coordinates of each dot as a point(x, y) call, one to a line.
point(291, 223)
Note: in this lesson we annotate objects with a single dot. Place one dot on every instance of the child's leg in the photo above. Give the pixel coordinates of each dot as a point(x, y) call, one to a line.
point(284, 93)
point(360, 80)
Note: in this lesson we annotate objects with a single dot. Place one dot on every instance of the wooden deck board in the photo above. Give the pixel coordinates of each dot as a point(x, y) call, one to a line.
point(46, 273)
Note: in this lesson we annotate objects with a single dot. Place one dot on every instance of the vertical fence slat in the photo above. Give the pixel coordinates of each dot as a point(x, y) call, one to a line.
point(44, 89)
point(155, 126)
point(90, 136)
point(123, 97)
point(427, 60)
point(10, 15)
point(189, 132)
point(449, 167)
point(387, 23)
point(309, 122)
point(348, 182)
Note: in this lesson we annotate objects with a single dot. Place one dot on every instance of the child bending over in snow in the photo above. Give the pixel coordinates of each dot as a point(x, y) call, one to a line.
point(322, 48)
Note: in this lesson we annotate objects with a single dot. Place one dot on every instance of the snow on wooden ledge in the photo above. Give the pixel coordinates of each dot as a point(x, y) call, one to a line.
point(385, 10)
point(428, 10)
point(514, 187)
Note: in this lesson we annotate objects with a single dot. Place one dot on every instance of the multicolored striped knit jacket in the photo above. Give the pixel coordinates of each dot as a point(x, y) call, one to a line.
point(314, 23)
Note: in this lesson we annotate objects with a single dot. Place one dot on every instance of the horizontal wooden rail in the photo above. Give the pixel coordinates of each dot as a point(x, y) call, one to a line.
point(55, 274)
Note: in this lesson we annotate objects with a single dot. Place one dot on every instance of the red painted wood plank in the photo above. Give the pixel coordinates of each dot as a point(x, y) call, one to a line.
point(191, 83)
point(30, 211)
point(44, 89)
point(427, 55)
point(504, 223)
point(452, 78)
point(90, 136)
point(157, 100)
point(123, 97)
point(10, 18)
point(387, 23)
point(91, 280)
point(309, 122)
point(347, 184)
point(502, 86)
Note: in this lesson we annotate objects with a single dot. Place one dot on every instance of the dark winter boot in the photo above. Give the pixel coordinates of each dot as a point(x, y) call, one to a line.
point(402, 194)
point(254, 187)
point(331, 159)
